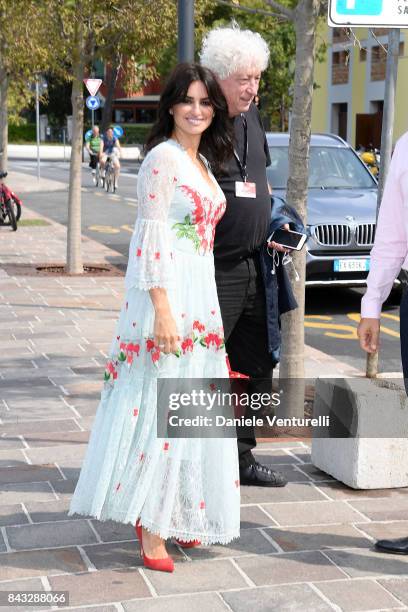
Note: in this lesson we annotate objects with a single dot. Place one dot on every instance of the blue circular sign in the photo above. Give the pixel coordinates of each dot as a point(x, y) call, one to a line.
point(93, 102)
point(88, 135)
point(118, 131)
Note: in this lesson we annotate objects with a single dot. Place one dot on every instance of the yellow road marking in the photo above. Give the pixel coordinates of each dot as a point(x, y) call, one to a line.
point(349, 332)
point(128, 228)
point(386, 315)
point(323, 317)
point(354, 316)
point(104, 229)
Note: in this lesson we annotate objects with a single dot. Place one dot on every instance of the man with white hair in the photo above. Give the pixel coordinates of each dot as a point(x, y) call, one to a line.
point(238, 57)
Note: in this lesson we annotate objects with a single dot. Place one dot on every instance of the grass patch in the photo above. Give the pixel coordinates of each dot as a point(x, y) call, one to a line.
point(33, 222)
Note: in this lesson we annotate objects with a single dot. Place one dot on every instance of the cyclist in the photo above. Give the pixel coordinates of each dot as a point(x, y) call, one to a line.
point(111, 148)
point(94, 147)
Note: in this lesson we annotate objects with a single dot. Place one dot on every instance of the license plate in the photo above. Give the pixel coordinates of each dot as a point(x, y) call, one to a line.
point(351, 265)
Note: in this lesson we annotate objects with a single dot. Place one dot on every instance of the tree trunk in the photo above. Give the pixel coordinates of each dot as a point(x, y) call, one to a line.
point(292, 362)
point(4, 83)
point(74, 249)
point(110, 91)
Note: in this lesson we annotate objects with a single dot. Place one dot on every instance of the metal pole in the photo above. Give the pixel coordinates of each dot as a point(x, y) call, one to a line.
point(92, 113)
point(185, 49)
point(37, 118)
point(386, 143)
point(63, 140)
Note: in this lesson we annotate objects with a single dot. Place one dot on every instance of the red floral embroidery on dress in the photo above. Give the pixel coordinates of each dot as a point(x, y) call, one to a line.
point(202, 505)
point(166, 446)
point(149, 345)
point(212, 339)
point(187, 345)
point(118, 487)
point(198, 326)
point(157, 255)
point(155, 171)
point(156, 355)
point(128, 351)
point(237, 483)
point(138, 252)
point(199, 226)
point(152, 196)
point(135, 412)
point(141, 457)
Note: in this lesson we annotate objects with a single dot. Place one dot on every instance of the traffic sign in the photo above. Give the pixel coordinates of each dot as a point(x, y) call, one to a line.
point(92, 102)
point(93, 85)
point(118, 131)
point(368, 13)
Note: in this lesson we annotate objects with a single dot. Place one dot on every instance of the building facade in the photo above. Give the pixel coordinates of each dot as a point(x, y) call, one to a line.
point(349, 96)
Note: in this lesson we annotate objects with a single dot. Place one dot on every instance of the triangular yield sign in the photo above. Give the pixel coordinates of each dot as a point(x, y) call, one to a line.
point(93, 85)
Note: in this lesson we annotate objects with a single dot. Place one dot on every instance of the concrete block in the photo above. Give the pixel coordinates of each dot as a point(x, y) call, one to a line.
point(365, 444)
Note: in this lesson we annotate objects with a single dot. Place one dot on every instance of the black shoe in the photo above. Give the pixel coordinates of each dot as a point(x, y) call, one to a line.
point(397, 547)
point(259, 475)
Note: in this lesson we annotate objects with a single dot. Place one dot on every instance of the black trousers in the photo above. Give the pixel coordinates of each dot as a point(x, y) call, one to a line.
point(242, 301)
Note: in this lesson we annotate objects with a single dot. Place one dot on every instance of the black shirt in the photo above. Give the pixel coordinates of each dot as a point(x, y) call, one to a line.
point(244, 226)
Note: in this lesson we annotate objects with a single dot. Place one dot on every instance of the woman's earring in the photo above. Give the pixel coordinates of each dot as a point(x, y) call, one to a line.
point(171, 111)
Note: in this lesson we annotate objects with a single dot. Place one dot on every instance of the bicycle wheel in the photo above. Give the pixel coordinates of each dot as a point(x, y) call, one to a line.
point(108, 179)
point(17, 210)
point(11, 214)
point(97, 175)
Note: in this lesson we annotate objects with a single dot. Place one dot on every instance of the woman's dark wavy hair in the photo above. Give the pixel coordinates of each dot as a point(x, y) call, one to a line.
point(216, 142)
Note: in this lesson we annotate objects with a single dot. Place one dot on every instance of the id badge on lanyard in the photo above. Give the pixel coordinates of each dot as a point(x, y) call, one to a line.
point(244, 189)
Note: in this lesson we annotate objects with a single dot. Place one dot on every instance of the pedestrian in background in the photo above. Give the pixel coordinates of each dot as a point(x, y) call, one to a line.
point(388, 256)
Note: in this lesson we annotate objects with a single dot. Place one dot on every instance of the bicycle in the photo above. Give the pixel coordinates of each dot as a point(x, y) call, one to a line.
point(10, 205)
point(110, 177)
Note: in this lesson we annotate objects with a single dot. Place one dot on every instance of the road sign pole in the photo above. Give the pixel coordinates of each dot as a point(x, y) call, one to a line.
point(37, 118)
point(386, 144)
point(185, 51)
point(92, 113)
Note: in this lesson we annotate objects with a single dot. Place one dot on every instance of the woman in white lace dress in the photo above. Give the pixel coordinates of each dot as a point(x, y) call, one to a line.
point(170, 326)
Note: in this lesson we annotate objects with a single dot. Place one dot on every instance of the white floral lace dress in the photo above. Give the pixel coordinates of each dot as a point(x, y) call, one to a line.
point(184, 488)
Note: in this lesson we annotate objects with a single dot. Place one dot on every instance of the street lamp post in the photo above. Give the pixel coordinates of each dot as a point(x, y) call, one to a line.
point(37, 121)
point(185, 49)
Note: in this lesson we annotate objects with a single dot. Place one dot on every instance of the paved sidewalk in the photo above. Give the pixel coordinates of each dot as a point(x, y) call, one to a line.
point(306, 547)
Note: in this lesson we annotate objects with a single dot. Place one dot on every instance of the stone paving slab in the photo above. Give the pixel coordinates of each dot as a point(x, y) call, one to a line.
point(205, 602)
point(34, 584)
point(353, 596)
point(294, 491)
point(29, 473)
point(318, 537)
point(293, 598)
point(398, 587)
point(104, 586)
point(292, 567)
point(312, 513)
point(29, 491)
point(361, 563)
point(378, 510)
point(48, 562)
point(48, 535)
point(198, 576)
point(12, 515)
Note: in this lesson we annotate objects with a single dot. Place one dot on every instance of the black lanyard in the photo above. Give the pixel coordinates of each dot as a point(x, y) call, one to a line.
point(243, 165)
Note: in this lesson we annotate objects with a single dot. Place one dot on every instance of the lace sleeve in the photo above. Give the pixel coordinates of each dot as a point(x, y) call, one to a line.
point(150, 247)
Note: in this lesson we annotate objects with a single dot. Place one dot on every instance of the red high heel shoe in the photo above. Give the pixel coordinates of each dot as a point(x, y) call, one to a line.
point(191, 544)
point(161, 565)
